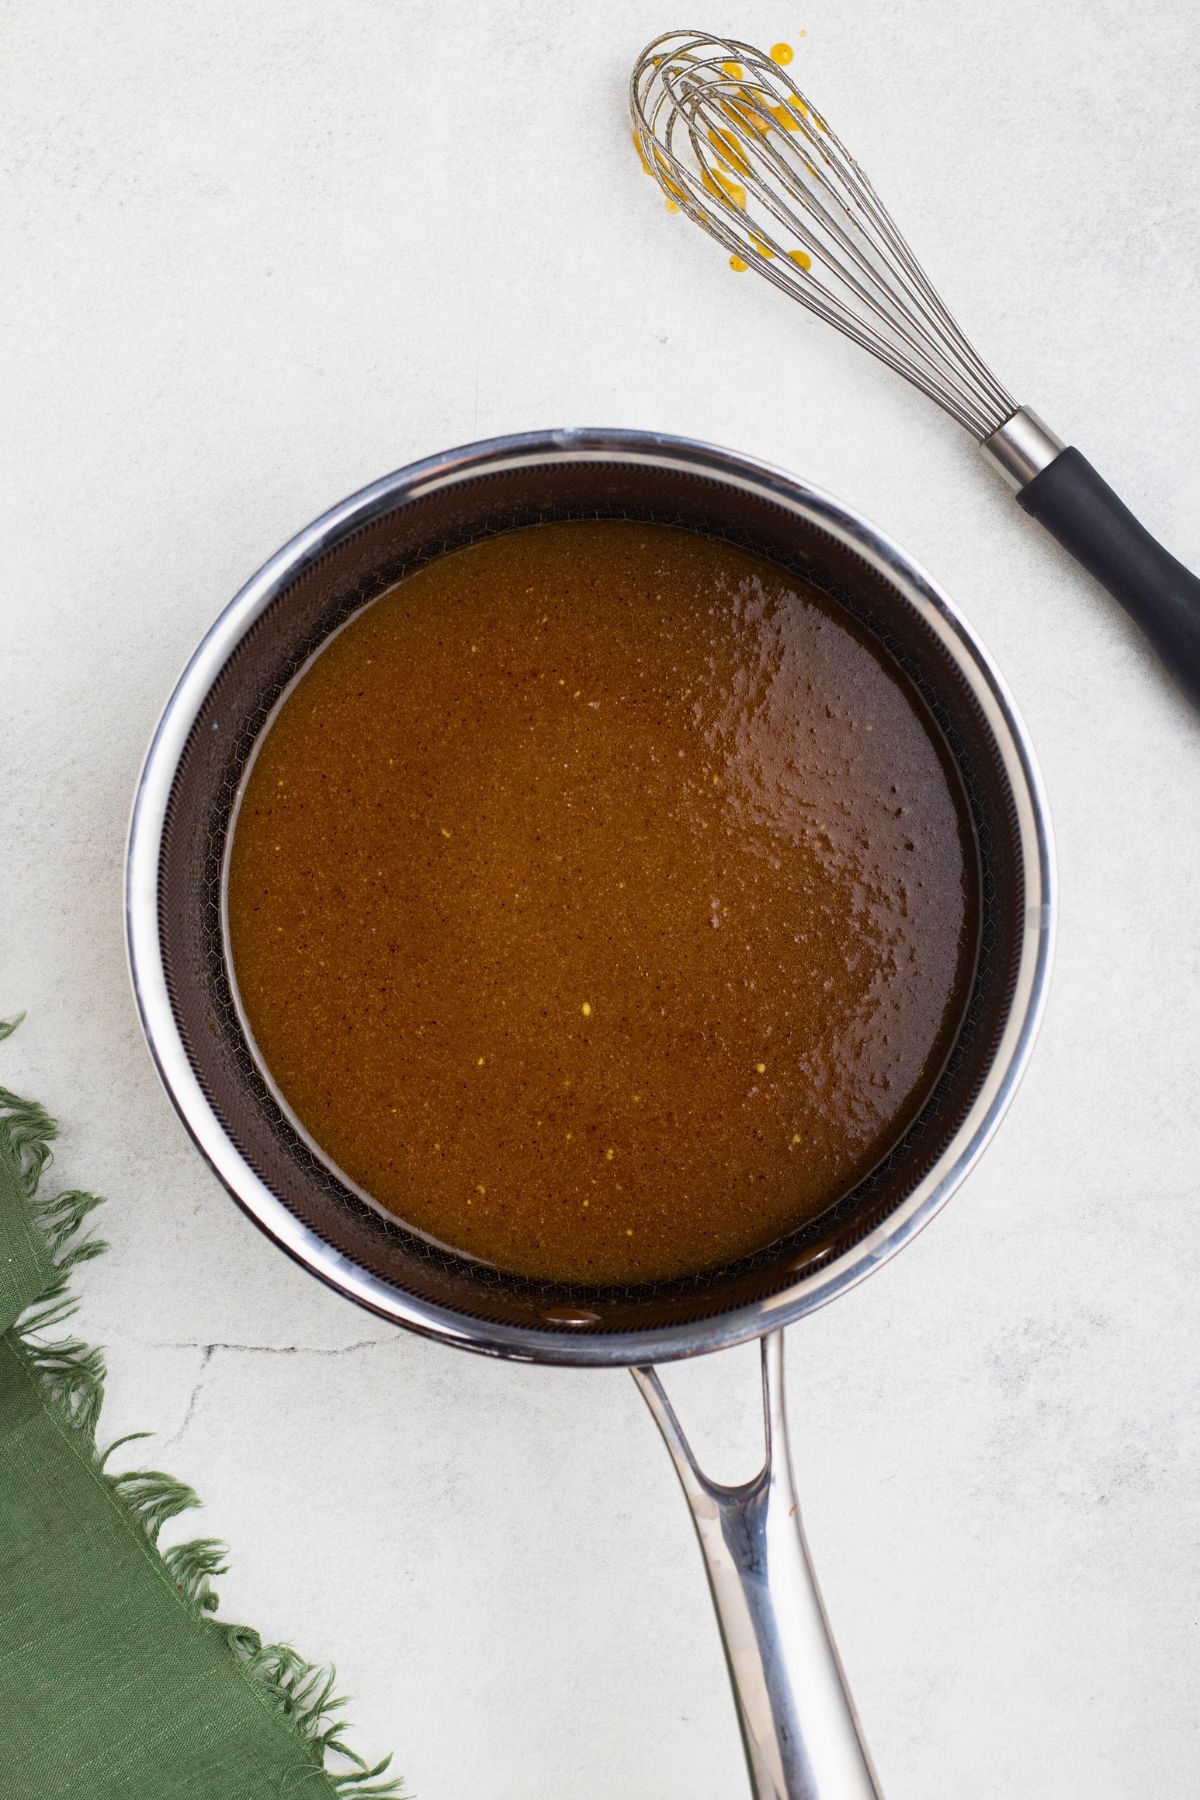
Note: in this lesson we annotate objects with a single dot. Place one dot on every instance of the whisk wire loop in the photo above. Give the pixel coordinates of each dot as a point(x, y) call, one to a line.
point(735, 144)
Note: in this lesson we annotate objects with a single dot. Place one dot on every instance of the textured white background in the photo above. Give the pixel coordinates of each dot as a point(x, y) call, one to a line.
point(259, 253)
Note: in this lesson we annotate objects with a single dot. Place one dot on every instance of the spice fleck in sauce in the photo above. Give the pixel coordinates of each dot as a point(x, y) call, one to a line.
point(601, 902)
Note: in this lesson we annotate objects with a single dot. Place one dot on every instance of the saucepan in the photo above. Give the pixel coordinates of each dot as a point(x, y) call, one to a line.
point(801, 1734)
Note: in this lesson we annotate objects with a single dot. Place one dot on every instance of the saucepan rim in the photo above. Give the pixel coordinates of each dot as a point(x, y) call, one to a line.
point(813, 1287)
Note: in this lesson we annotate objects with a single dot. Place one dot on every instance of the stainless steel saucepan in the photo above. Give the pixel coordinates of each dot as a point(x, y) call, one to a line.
point(801, 1734)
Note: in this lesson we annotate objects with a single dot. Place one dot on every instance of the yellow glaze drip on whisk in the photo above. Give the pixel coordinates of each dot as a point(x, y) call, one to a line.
point(736, 146)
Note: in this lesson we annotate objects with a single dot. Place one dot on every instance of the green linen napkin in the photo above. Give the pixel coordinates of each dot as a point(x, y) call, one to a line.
point(115, 1681)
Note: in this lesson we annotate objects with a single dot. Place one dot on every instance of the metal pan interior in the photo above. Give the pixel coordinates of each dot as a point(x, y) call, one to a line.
point(188, 792)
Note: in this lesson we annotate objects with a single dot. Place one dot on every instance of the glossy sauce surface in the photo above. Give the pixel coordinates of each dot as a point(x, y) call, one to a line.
point(601, 902)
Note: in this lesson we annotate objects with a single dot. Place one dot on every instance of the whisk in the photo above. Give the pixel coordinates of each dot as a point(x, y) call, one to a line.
point(735, 145)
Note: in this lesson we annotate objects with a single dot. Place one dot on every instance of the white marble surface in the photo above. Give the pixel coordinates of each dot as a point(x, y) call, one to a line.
point(258, 254)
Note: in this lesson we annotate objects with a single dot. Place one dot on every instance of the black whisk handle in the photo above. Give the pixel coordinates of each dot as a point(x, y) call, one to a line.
point(1078, 507)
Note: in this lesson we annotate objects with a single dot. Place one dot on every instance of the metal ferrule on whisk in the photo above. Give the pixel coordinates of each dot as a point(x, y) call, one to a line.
point(1022, 447)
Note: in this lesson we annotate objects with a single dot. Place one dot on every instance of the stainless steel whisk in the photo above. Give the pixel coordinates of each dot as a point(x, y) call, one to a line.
point(737, 147)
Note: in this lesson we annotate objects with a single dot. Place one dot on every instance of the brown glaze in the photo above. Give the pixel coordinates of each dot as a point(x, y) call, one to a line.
point(601, 902)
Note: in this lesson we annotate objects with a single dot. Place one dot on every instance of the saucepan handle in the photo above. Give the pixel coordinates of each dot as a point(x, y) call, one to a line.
point(801, 1733)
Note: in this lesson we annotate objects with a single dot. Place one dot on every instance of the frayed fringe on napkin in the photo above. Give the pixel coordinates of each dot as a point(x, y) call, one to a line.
point(70, 1376)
